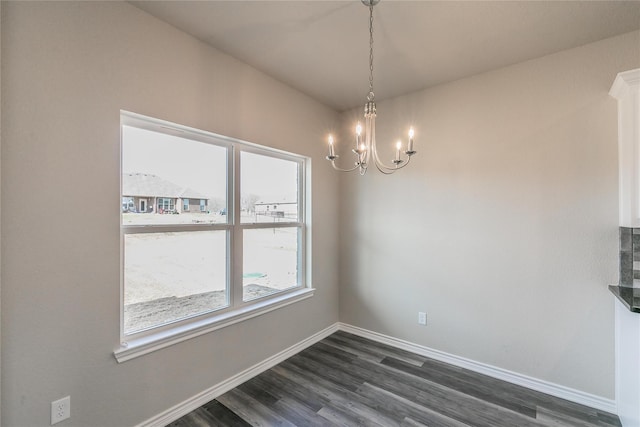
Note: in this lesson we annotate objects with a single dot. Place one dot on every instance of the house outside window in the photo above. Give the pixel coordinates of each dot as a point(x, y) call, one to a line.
point(223, 260)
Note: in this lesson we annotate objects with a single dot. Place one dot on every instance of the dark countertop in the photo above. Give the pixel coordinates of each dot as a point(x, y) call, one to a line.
point(630, 297)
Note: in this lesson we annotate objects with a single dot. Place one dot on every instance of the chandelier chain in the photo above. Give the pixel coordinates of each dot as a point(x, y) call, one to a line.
point(371, 94)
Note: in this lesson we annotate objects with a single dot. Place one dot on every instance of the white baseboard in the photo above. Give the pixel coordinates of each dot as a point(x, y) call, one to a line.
point(542, 386)
point(211, 393)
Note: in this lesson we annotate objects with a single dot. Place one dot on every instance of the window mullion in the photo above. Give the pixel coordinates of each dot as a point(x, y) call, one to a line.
point(236, 231)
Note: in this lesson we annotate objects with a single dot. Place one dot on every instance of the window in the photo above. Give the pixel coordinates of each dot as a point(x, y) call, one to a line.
point(127, 204)
point(166, 205)
point(184, 273)
point(270, 253)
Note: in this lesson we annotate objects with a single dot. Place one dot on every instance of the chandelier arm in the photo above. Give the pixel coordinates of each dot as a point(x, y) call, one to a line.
point(333, 163)
point(384, 171)
point(380, 164)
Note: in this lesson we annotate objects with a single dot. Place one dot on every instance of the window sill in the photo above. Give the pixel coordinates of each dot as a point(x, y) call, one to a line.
point(147, 344)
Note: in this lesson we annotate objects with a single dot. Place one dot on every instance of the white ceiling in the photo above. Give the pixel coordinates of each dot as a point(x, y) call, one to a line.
point(321, 47)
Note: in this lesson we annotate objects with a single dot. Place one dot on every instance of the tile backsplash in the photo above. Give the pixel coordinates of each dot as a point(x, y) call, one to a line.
point(629, 257)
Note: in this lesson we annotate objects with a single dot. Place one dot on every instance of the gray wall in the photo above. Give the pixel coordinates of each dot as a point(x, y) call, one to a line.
point(68, 68)
point(505, 228)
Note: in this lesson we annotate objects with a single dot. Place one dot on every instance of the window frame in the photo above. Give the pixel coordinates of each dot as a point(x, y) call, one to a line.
point(300, 223)
point(142, 342)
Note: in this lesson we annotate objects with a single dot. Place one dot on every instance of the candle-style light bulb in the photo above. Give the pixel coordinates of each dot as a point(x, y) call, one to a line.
point(358, 133)
point(410, 145)
point(361, 153)
point(398, 146)
point(331, 150)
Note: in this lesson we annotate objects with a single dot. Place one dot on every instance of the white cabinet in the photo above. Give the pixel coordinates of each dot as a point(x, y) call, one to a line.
point(626, 89)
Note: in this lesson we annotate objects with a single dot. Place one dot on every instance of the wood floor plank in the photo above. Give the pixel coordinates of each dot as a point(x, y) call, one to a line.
point(197, 418)
point(342, 355)
point(299, 414)
point(388, 378)
point(570, 409)
point(285, 387)
point(324, 362)
point(451, 403)
point(362, 353)
point(408, 422)
point(339, 418)
point(380, 349)
point(519, 393)
point(260, 394)
point(341, 398)
point(211, 414)
point(251, 410)
point(606, 419)
point(539, 399)
point(346, 380)
point(470, 410)
point(555, 419)
point(473, 388)
point(223, 416)
point(338, 377)
point(407, 408)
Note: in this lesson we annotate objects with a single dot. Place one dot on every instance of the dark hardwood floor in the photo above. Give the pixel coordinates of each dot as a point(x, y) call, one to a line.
point(346, 380)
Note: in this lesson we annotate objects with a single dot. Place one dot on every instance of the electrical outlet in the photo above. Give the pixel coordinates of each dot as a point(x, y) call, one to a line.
point(60, 410)
point(422, 318)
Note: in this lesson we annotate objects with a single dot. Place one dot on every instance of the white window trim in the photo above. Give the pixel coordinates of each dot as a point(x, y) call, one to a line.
point(143, 342)
point(165, 338)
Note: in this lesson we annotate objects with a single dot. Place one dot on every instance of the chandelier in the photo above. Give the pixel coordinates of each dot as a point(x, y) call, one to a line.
point(365, 144)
